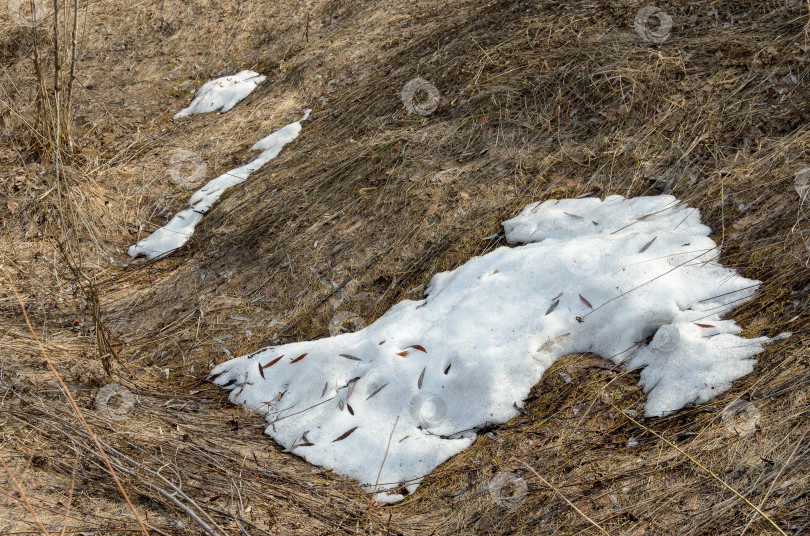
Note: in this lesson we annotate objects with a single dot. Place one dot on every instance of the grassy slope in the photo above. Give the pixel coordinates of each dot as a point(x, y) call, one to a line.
point(539, 99)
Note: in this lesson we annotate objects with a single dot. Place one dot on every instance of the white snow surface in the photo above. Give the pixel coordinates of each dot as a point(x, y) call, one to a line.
point(655, 297)
point(222, 93)
point(180, 228)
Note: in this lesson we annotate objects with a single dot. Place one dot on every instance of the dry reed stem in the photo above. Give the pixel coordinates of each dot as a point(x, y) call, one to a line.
point(377, 482)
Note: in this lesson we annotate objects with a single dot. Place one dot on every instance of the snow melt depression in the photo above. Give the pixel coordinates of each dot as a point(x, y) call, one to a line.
point(633, 280)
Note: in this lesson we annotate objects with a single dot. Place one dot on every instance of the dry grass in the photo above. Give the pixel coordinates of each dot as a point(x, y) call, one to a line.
point(539, 100)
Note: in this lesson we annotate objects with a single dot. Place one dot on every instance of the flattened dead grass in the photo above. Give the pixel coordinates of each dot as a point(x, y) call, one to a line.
point(539, 100)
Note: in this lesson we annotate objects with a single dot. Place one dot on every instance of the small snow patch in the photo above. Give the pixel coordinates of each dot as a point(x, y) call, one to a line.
point(222, 94)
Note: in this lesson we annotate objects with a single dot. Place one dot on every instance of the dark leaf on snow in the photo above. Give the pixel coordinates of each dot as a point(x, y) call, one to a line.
point(377, 390)
point(344, 435)
point(586, 302)
point(647, 245)
point(352, 384)
point(273, 362)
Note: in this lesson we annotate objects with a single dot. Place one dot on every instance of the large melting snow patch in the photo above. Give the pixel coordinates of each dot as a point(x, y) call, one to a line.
point(633, 280)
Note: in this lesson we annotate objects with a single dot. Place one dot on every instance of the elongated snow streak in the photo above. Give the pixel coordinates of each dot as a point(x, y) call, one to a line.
point(178, 231)
point(636, 281)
